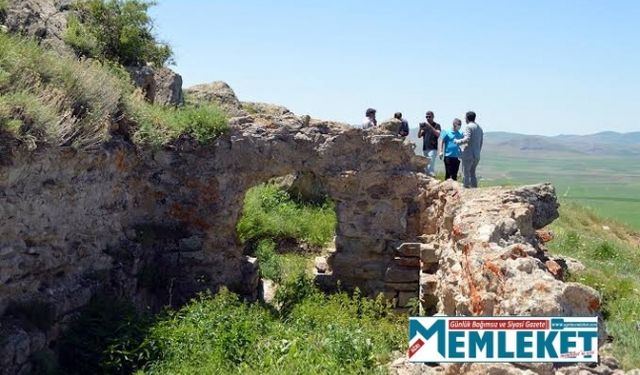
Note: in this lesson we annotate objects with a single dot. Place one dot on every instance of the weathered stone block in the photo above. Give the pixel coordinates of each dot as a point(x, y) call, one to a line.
point(426, 238)
point(428, 284)
point(405, 287)
point(267, 290)
point(395, 274)
point(406, 261)
point(409, 249)
point(390, 294)
point(354, 266)
point(357, 245)
point(369, 271)
point(321, 265)
point(429, 254)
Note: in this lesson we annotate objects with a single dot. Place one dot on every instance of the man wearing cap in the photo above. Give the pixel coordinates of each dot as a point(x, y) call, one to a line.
point(370, 119)
point(430, 132)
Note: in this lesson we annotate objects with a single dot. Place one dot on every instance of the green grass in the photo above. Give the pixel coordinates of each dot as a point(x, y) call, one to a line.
point(279, 267)
point(269, 216)
point(49, 99)
point(612, 260)
point(314, 334)
point(46, 98)
point(159, 125)
point(269, 213)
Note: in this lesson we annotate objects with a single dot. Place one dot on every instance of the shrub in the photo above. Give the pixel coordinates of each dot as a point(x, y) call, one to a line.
point(26, 116)
point(293, 292)
point(158, 125)
point(604, 251)
point(117, 30)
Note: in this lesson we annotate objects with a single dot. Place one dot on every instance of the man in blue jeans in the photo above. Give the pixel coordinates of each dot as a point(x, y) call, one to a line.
point(430, 132)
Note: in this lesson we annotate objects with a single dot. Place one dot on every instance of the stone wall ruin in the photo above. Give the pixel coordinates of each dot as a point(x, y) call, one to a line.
point(157, 226)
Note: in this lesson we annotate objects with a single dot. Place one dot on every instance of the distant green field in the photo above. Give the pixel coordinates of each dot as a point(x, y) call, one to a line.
point(611, 186)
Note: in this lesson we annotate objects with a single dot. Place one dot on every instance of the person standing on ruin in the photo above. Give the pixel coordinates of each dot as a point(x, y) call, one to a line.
point(403, 131)
point(370, 119)
point(470, 147)
point(450, 151)
point(430, 132)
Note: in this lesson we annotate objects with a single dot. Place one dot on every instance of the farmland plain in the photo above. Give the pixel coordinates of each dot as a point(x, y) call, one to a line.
point(610, 186)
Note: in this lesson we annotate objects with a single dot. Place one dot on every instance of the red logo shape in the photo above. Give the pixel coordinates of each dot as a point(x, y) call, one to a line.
point(415, 347)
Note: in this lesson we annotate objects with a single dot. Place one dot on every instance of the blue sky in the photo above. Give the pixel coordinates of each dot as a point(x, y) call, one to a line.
point(535, 67)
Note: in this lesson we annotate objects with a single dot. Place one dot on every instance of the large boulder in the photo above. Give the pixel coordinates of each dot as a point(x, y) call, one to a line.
point(216, 92)
point(44, 20)
point(392, 125)
point(265, 109)
point(160, 86)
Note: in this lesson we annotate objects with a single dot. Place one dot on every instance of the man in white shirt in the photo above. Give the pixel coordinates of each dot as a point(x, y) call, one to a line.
point(370, 119)
point(470, 147)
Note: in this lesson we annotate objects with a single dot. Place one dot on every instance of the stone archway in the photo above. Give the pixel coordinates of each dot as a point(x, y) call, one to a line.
point(371, 177)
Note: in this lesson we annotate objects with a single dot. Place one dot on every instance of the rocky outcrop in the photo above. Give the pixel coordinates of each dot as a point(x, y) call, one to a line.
point(44, 20)
point(221, 94)
point(216, 92)
point(160, 86)
point(491, 260)
point(264, 109)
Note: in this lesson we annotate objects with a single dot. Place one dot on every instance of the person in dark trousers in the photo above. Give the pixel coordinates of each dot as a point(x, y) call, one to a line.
point(470, 147)
point(430, 132)
point(403, 131)
point(450, 151)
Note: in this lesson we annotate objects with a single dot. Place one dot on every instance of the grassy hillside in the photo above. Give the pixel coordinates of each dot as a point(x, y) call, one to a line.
point(611, 253)
point(49, 99)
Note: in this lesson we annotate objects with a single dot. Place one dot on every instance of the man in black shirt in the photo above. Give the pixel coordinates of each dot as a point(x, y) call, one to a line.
point(430, 132)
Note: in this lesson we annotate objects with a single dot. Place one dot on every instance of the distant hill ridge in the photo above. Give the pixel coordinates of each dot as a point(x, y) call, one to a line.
point(607, 143)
